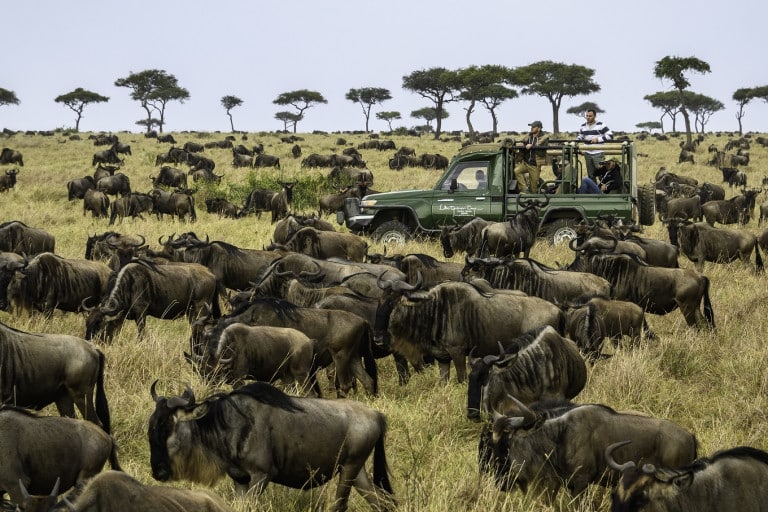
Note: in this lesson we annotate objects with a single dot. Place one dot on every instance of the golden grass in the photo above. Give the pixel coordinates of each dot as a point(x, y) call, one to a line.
point(713, 383)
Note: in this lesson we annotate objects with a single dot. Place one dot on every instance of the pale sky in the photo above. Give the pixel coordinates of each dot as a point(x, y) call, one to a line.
point(258, 49)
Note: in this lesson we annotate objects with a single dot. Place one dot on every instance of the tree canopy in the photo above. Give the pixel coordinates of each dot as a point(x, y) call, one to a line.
point(649, 125)
point(288, 119)
point(674, 69)
point(301, 100)
point(77, 100)
point(367, 97)
point(483, 84)
point(153, 89)
point(438, 85)
point(581, 110)
point(669, 104)
point(553, 81)
point(229, 102)
point(8, 97)
point(429, 114)
point(388, 117)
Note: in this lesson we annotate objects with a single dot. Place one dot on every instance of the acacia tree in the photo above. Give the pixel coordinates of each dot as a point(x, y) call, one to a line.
point(77, 100)
point(388, 117)
point(288, 118)
point(301, 100)
point(429, 114)
point(230, 102)
point(554, 80)
point(367, 97)
point(153, 89)
point(674, 69)
point(477, 84)
point(702, 107)
point(581, 110)
point(649, 125)
point(669, 104)
point(8, 97)
point(438, 85)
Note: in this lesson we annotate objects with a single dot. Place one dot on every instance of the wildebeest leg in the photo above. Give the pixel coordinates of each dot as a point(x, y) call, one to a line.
point(460, 362)
point(66, 406)
point(348, 476)
point(378, 499)
point(401, 364)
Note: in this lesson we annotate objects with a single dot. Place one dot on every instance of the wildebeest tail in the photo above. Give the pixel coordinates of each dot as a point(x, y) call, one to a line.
point(369, 362)
point(758, 259)
point(113, 462)
point(313, 370)
point(102, 406)
point(709, 314)
point(380, 470)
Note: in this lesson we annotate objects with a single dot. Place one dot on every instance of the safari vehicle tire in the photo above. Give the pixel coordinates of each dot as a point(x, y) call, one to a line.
point(560, 230)
point(646, 204)
point(392, 232)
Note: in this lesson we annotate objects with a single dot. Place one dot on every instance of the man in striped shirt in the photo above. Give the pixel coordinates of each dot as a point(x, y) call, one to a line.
point(593, 132)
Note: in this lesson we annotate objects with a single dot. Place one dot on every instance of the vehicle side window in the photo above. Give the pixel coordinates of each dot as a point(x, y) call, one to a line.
point(469, 176)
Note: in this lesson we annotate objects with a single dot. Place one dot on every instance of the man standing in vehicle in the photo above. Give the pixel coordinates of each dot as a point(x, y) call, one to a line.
point(532, 159)
point(593, 132)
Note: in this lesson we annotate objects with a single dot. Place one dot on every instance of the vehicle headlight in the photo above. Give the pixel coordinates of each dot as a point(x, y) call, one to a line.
point(367, 203)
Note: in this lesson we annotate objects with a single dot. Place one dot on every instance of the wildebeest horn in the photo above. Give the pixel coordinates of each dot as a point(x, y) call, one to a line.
point(528, 415)
point(86, 308)
point(227, 360)
point(143, 240)
point(572, 245)
point(153, 392)
point(501, 347)
point(612, 463)
point(384, 285)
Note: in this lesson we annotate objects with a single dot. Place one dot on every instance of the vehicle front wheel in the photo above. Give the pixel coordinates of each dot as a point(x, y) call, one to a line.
point(560, 230)
point(392, 232)
point(646, 199)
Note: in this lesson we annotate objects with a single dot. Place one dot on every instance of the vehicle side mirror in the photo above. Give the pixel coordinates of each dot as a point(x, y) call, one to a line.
point(454, 185)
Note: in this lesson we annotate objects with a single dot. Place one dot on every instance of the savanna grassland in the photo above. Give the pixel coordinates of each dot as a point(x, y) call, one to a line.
point(713, 383)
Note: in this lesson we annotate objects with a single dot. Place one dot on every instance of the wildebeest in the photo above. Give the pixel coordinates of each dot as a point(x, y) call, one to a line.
point(467, 237)
point(343, 338)
point(170, 177)
point(539, 365)
point(262, 160)
point(734, 177)
point(15, 236)
point(106, 156)
point(657, 290)
point(543, 451)
point(40, 369)
point(113, 185)
point(267, 354)
point(76, 188)
point(280, 202)
point(41, 453)
point(533, 278)
point(453, 319)
point(730, 481)
point(8, 181)
point(591, 319)
point(181, 204)
point(688, 207)
point(115, 490)
point(701, 242)
point(166, 137)
point(291, 223)
point(51, 282)
point(686, 156)
point(234, 267)
point(222, 207)
point(327, 244)
point(296, 151)
point(737, 209)
point(193, 147)
point(517, 236)
point(96, 202)
point(257, 434)
point(143, 289)
point(9, 262)
point(11, 156)
point(130, 205)
point(102, 171)
point(204, 175)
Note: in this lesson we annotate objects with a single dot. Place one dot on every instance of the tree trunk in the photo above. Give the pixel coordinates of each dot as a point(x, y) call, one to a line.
point(687, 119)
point(470, 108)
point(231, 123)
point(555, 118)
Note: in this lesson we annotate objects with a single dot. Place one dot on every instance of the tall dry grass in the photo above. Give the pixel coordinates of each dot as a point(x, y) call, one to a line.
point(713, 383)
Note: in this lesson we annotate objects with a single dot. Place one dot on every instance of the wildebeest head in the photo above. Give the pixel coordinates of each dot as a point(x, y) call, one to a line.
point(162, 425)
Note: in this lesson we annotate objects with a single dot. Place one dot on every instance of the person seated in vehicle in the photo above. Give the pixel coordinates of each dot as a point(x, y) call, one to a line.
point(533, 158)
point(482, 182)
point(608, 176)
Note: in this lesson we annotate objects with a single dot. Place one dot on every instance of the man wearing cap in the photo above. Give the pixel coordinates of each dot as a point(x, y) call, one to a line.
point(532, 159)
point(593, 132)
point(609, 179)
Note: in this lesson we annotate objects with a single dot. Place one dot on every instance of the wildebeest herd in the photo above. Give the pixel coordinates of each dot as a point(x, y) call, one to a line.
point(318, 298)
